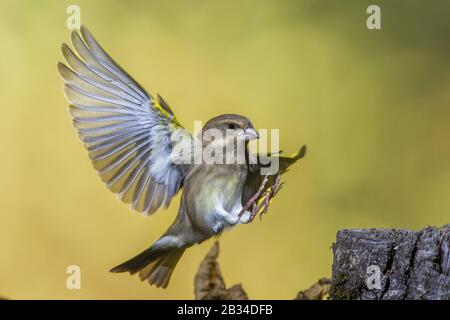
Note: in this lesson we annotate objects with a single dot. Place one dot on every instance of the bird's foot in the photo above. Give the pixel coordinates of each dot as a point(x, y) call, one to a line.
point(269, 195)
point(255, 198)
point(263, 196)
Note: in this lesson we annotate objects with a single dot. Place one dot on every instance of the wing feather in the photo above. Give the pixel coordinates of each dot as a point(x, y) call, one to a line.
point(126, 132)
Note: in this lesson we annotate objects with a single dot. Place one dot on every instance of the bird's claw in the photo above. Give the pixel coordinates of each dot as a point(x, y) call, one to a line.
point(269, 195)
point(265, 196)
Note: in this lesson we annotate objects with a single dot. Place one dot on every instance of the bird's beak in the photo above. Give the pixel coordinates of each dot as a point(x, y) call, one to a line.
point(251, 133)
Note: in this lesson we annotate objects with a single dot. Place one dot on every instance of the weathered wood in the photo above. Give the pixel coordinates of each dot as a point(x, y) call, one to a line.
point(412, 265)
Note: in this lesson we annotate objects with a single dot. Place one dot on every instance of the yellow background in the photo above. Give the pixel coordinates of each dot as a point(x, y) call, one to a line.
point(372, 106)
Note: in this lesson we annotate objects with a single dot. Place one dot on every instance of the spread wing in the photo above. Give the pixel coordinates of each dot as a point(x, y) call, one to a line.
point(126, 132)
point(255, 178)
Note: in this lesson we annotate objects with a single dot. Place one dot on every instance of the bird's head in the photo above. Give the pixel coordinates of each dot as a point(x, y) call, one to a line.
point(232, 125)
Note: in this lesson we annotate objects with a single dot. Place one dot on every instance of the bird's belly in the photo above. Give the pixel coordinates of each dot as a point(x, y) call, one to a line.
point(223, 193)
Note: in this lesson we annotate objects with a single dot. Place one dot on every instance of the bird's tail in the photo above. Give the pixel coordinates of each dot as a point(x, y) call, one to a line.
point(155, 264)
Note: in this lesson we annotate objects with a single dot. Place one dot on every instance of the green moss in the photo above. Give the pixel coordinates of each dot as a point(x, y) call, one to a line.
point(344, 288)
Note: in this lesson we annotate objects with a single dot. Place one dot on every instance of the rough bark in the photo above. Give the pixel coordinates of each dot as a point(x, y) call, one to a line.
point(412, 265)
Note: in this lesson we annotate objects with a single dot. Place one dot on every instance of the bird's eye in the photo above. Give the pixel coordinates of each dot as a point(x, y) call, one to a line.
point(232, 126)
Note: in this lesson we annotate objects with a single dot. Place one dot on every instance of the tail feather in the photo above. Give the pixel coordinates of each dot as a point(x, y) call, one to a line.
point(154, 265)
point(159, 274)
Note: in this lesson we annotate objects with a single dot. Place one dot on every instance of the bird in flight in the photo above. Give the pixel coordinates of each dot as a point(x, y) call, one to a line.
point(135, 141)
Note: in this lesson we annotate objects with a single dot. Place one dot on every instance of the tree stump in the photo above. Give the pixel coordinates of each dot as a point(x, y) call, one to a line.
point(384, 264)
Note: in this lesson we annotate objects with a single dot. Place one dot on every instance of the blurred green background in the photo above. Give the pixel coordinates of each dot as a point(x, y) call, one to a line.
point(372, 106)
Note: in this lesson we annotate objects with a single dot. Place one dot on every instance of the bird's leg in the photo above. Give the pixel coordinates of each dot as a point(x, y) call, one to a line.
point(254, 199)
point(248, 216)
point(226, 216)
point(266, 196)
point(272, 192)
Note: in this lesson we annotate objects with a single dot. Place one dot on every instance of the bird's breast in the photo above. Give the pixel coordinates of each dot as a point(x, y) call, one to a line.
point(212, 187)
point(224, 185)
